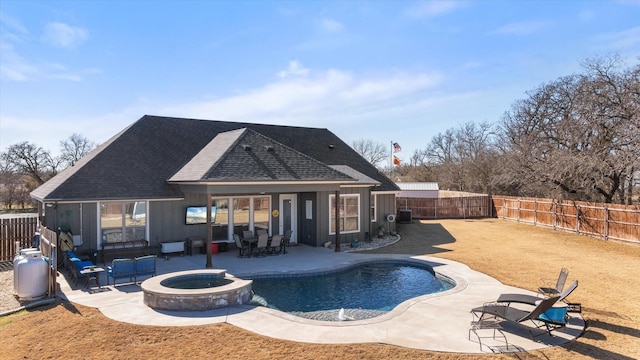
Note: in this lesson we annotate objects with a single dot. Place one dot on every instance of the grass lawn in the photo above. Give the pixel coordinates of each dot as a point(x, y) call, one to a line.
point(516, 254)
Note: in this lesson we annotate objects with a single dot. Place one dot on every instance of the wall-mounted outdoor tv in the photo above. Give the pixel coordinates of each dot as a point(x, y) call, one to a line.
point(198, 215)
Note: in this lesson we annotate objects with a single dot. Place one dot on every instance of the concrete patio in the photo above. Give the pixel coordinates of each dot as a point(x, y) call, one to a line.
point(438, 322)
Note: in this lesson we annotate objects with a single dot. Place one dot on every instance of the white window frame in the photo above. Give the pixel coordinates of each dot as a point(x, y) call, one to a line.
point(123, 227)
point(230, 209)
point(374, 199)
point(343, 197)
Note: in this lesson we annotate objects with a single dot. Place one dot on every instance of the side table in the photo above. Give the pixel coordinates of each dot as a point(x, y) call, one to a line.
point(92, 273)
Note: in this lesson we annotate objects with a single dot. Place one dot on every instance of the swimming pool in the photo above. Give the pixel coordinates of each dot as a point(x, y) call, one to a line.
point(377, 286)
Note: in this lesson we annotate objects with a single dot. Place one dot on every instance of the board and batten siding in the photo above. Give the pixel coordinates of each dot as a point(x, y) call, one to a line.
point(385, 205)
point(324, 214)
point(80, 218)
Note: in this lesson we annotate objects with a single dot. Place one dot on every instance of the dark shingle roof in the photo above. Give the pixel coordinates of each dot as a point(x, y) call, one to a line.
point(245, 155)
point(139, 161)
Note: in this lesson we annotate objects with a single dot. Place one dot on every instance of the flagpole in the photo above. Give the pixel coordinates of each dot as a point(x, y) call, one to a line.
point(391, 158)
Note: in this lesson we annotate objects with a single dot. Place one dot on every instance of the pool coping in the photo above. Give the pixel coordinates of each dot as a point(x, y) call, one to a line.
point(438, 322)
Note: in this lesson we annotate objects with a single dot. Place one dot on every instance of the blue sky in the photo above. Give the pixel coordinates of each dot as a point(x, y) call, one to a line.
point(386, 71)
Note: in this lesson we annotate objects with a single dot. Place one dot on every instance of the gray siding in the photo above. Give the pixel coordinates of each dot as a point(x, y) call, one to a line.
point(80, 218)
point(324, 221)
point(90, 225)
point(166, 220)
point(386, 204)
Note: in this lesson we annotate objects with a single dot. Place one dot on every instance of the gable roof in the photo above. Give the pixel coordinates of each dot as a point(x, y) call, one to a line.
point(138, 162)
point(244, 155)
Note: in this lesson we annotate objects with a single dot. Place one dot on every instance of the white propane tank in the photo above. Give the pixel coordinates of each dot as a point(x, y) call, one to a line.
point(31, 274)
point(21, 255)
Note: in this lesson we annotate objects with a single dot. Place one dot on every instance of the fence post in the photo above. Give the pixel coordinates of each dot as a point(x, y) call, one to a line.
point(464, 209)
point(535, 212)
point(606, 223)
point(435, 208)
point(578, 219)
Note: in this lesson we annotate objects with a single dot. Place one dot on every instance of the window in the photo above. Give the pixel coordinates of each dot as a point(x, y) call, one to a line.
point(261, 212)
point(220, 220)
point(373, 203)
point(243, 213)
point(121, 217)
point(349, 213)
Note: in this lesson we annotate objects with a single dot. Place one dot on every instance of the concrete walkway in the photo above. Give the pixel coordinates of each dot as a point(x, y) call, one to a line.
point(438, 322)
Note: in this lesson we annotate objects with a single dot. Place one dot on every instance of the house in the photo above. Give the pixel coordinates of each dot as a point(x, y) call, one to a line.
point(155, 179)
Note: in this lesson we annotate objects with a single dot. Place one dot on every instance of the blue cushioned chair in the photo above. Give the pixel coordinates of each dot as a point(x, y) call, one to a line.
point(121, 269)
point(145, 265)
point(75, 266)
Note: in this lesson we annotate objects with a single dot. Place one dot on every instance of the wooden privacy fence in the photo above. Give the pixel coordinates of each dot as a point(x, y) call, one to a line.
point(447, 208)
point(606, 221)
point(20, 229)
point(49, 247)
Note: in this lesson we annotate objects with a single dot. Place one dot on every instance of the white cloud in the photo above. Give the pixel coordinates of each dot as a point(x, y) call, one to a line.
point(14, 68)
point(12, 29)
point(434, 8)
point(586, 16)
point(17, 68)
point(63, 35)
point(522, 28)
point(331, 26)
point(294, 69)
point(624, 39)
point(331, 97)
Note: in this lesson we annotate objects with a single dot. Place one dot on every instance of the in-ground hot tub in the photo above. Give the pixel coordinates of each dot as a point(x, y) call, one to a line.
point(195, 290)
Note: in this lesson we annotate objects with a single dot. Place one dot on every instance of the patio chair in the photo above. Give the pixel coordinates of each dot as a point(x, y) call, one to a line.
point(261, 245)
point(244, 249)
point(286, 239)
point(75, 266)
point(548, 290)
point(247, 235)
point(276, 244)
point(145, 265)
point(532, 299)
point(121, 269)
point(541, 315)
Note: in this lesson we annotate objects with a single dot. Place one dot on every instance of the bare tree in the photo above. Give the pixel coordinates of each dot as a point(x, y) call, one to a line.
point(74, 148)
point(32, 160)
point(374, 152)
point(576, 137)
point(9, 182)
point(463, 158)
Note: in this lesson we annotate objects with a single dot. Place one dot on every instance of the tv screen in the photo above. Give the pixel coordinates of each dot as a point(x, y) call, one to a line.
point(198, 215)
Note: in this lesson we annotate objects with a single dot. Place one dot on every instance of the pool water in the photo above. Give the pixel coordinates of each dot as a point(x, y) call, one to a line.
point(373, 286)
point(195, 281)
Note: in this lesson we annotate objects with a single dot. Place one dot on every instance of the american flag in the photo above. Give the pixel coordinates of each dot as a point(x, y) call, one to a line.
point(396, 147)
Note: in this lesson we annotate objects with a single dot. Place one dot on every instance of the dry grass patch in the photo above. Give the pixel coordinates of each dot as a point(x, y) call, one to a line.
point(515, 254)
